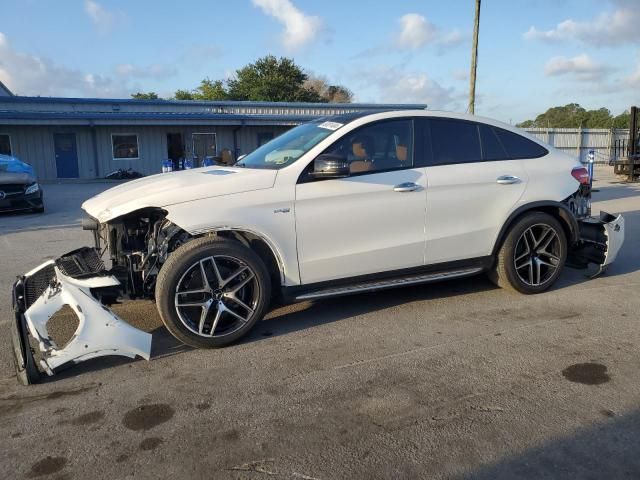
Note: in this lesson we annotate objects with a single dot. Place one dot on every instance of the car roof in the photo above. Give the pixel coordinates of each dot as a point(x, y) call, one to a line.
point(383, 114)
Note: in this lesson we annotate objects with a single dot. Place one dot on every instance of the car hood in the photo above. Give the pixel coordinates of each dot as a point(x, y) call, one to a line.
point(176, 187)
point(16, 178)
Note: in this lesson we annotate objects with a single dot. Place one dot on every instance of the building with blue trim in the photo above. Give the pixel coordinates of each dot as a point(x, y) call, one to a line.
point(89, 138)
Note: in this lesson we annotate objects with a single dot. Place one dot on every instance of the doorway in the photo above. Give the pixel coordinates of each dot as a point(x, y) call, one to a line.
point(66, 155)
point(175, 147)
point(203, 146)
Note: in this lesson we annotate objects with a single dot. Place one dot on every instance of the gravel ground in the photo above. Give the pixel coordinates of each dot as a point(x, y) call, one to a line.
point(453, 380)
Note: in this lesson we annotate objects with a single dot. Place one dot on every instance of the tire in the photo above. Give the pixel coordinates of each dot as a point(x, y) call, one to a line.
point(182, 311)
point(38, 210)
point(538, 269)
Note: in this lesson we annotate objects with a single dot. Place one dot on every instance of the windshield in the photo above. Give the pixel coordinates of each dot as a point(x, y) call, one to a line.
point(288, 147)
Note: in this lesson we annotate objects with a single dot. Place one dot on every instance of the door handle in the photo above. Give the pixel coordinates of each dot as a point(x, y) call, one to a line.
point(508, 179)
point(406, 187)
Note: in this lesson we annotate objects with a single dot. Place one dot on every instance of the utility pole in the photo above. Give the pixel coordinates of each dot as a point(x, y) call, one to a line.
point(474, 61)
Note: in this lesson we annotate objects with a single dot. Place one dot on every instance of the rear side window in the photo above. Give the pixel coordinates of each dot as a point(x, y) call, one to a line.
point(454, 141)
point(518, 146)
point(491, 147)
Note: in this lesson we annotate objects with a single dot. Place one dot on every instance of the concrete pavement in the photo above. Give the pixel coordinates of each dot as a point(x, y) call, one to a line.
point(452, 380)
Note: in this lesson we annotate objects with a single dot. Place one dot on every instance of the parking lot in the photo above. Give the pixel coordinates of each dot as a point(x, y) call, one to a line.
point(452, 380)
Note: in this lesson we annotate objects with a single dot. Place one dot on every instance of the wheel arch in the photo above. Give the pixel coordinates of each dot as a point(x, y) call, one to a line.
point(557, 210)
point(261, 245)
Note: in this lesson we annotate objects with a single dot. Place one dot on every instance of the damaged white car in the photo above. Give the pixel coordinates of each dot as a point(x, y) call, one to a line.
point(340, 205)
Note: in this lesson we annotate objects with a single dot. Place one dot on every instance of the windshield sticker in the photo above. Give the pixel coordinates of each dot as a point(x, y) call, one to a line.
point(331, 125)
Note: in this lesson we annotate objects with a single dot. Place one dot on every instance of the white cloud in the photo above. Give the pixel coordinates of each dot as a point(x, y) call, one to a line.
point(417, 87)
point(453, 38)
point(461, 75)
point(299, 28)
point(27, 74)
point(581, 67)
point(607, 29)
point(102, 18)
point(148, 71)
point(393, 85)
point(633, 80)
point(416, 31)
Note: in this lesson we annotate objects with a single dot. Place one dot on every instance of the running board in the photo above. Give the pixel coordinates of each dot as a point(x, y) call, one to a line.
point(390, 283)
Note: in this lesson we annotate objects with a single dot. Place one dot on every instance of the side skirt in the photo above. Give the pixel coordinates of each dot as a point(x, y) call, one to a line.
point(384, 280)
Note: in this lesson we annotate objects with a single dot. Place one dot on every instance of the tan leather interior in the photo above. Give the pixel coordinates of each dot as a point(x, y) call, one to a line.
point(401, 153)
point(358, 150)
point(360, 166)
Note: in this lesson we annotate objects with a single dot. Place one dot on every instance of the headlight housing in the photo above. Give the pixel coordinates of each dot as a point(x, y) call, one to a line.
point(33, 188)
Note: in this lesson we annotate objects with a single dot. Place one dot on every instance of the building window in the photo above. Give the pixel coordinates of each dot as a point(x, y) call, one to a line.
point(264, 137)
point(5, 144)
point(125, 146)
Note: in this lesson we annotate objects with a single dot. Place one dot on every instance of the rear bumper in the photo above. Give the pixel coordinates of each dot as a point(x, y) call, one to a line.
point(600, 241)
point(78, 280)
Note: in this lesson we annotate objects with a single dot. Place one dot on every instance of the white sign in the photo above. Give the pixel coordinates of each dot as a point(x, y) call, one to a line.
point(331, 125)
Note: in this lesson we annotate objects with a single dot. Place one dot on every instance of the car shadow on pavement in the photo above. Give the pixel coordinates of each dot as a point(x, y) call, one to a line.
point(283, 320)
point(615, 192)
point(608, 449)
point(163, 345)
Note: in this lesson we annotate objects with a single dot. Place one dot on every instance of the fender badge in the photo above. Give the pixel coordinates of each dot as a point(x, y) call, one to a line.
point(282, 210)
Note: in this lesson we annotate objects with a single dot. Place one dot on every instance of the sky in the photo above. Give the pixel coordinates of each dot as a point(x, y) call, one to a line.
point(533, 54)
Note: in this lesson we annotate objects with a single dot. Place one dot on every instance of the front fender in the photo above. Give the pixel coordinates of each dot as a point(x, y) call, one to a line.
point(269, 215)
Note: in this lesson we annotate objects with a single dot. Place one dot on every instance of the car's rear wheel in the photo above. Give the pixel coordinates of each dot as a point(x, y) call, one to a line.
point(532, 255)
point(212, 291)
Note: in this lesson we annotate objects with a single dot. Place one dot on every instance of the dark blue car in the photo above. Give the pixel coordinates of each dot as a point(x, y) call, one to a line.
point(19, 188)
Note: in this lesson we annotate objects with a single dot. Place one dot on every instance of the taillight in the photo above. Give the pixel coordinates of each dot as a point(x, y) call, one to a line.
point(581, 175)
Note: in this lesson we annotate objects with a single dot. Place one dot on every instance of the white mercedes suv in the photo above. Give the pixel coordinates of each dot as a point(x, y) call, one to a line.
point(346, 204)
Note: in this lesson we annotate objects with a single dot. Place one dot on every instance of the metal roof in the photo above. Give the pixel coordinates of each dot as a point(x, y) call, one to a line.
point(146, 116)
point(100, 111)
point(208, 103)
point(6, 89)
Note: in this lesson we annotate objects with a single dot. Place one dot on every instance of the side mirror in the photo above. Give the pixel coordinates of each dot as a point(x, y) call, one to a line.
point(330, 166)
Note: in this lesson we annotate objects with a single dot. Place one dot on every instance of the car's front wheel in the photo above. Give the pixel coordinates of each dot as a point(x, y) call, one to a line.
point(532, 255)
point(212, 291)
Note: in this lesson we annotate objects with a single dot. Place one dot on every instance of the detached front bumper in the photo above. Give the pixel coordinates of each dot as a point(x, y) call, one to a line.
point(600, 241)
point(78, 280)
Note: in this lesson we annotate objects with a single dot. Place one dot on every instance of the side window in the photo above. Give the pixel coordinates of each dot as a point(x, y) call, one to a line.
point(517, 146)
point(386, 145)
point(454, 141)
point(491, 147)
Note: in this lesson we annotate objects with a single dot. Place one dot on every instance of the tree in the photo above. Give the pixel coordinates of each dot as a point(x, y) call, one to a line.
point(339, 94)
point(145, 96)
point(573, 115)
point(623, 120)
point(183, 95)
point(269, 79)
point(328, 93)
point(211, 90)
point(207, 90)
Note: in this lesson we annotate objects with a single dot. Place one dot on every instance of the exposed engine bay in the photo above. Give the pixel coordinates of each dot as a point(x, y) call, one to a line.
point(137, 245)
point(580, 202)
